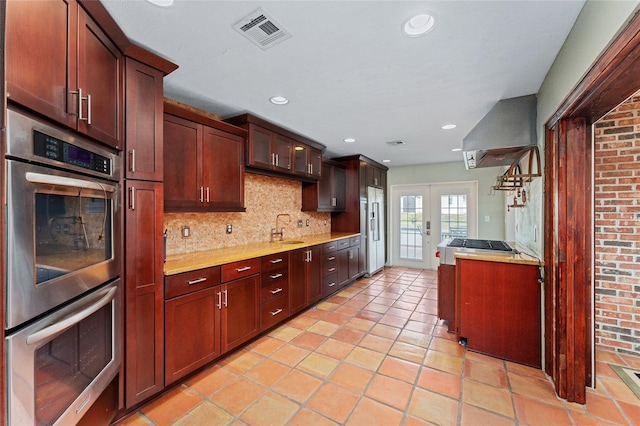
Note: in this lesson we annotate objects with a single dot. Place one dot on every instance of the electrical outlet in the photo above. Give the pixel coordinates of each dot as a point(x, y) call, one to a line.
point(229, 228)
point(308, 222)
point(300, 223)
point(487, 218)
point(325, 221)
point(185, 231)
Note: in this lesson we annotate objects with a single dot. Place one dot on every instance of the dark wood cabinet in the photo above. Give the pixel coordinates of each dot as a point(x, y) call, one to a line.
point(144, 133)
point(328, 194)
point(305, 282)
point(274, 289)
point(192, 332)
point(340, 264)
point(83, 84)
point(498, 309)
point(275, 151)
point(240, 318)
point(204, 170)
point(446, 295)
point(144, 295)
point(360, 173)
point(307, 160)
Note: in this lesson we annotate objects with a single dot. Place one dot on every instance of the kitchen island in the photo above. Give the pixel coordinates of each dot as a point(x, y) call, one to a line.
point(498, 305)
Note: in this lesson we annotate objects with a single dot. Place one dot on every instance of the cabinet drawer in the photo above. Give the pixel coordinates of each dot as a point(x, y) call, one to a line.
point(273, 312)
point(329, 268)
point(273, 285)
point(343, 243)
point(330, 247)
point(240, 269)
point(329, 284)
point(275, 261)
point(188, 282)
point(354, 241)
point(329, 258)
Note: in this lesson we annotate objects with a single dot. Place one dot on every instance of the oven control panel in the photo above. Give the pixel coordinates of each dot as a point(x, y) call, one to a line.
point(55, 149)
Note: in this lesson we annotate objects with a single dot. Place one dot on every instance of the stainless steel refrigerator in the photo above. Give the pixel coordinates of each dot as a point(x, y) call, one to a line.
point(375, 230)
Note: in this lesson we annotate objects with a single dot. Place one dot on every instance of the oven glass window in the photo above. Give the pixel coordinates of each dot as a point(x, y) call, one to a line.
point(73, 231)
point(66, 365)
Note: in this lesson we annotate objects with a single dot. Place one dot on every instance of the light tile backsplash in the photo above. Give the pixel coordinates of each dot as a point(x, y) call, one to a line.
point(265, 197)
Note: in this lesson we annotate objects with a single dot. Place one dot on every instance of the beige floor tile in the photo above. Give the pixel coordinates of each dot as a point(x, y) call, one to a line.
point(408, 352)
point(297, 385)
point(318, 365)
point(400, 369)
point(270, 409)
point(352, 377)
point(290, 355)
point(370, 413)
point(443, 361)
point(487, 397)
point(267, 372)
point(433, 408)
point(365, 358)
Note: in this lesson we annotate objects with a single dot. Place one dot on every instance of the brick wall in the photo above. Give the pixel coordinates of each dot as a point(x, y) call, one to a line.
point(617, 228)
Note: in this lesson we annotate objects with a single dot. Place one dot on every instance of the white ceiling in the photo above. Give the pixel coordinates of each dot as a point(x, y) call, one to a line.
point(349, 71)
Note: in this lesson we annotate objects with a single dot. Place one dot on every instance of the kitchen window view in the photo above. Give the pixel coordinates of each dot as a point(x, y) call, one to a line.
point(222, 230)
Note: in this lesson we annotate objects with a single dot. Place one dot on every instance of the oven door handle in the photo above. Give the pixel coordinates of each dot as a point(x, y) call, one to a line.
point(52, 330)
point(66, 181)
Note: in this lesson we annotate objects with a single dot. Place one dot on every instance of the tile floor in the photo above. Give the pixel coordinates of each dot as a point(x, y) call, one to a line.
point(375, 354)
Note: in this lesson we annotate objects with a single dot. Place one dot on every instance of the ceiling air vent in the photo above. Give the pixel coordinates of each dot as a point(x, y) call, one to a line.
point(261, 29)
point(396, 143)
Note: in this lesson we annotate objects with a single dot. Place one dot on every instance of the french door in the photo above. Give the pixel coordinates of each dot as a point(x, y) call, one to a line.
point(423, 215)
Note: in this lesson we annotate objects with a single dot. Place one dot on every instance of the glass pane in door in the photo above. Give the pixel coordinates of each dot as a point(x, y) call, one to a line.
point(453, 216)
point(410, 227)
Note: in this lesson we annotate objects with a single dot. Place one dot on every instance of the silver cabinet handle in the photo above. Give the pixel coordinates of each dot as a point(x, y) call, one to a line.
point(202, 194)
point(219, 304)
point(332, 284)
point(243, 269)
point(274, 276)
point(226, 298)
point(196, 281)
point(132, 157)
point(88, 109)
point(132, 198)
point(207, 191)
point(332, 269)
point(333, 202)
point(274, 261)
point(69, 322)
point(276, 312)
point(80, 99)
point(276, 291)
point(332, 258)
point(273, 159)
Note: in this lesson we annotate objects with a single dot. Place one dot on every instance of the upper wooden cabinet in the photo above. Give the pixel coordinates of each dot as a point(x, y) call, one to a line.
point(81, 86)
point(274, 151)
point(204, 170)
point(144, 138)
point(328, 194)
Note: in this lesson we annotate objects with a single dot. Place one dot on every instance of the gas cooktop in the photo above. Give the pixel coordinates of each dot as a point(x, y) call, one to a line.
point(448, 248)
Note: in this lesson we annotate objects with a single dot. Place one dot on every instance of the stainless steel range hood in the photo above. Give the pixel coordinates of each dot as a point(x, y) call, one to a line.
point(503, 135)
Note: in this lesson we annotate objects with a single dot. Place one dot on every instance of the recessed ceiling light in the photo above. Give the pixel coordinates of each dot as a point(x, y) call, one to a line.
point(161, 3)
point(386, 161)
point(456, 149)
point(418, 24)
point(448, 126)
point(279, 100)
point(349, 140)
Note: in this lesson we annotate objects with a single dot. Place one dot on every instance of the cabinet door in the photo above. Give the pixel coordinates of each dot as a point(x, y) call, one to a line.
point(301, 159)
point(354, 261)
point(298, 279)
point(144, 290)
point(223, 172)
point(260, 154)
point(100, 78)
point(183, 187)
point(325, 192)
point(240, 311)
point(282, 149)
point(343, 266)
point(315, 162)
point(314, 275)
point(38, 44)
point(192, 332)
point(144, 138)
point(339, 190)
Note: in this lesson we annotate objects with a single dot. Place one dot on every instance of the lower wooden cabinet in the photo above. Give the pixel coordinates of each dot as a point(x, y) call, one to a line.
point(192, 332)
point(240, 316)
point(144, 295)
point(274, 290)
point(446, 295)
point(305, 283)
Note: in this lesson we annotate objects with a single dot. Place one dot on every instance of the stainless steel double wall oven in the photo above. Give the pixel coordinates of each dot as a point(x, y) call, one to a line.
point(63, 295)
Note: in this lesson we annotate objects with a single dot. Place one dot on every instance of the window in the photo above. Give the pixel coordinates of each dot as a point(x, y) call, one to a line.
point(453, 216)
point(410, 227)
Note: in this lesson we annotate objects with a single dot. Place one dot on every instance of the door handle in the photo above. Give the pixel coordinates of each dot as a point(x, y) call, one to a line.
point(132, 158)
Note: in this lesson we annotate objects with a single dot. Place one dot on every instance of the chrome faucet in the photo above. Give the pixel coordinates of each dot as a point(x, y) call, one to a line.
point(274, 231)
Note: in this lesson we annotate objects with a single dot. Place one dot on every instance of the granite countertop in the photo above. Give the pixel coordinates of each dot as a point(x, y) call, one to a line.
point(520, 258)
point(186, 262)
